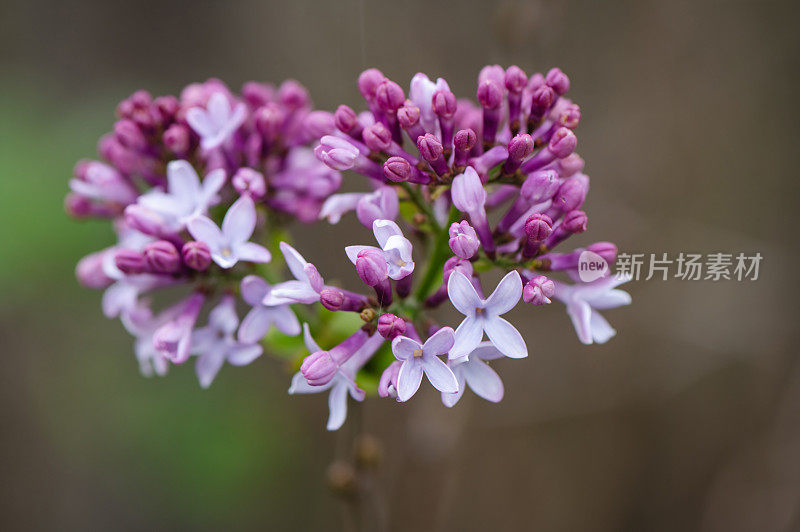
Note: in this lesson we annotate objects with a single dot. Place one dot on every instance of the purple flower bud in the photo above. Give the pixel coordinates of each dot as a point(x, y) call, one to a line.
point(570, 165)
point(397, 169)
point(456, 264)
point(430, 148)
point(196, 255)
point(607, 250)
point(538, 291)
point(162, 257)
point(166, 107)
point(520, 147)
point(492, 72)
point(371, 267)
point(542, 99)
point(557, 80)
point(331, 298)
point(77, 206)
point(346, 119)
point(540, 186)
point(465, 140)
point(177, 139)
point(570, 117)
point(444, 103)
point(293, 94)
point(563, 142)
point(90, 272)
point(319, 368)
point(269, 120)
point(249, 182)
point(390, 326)
point(319, 123)
point(515, 79)
point(144, 220)
point(129, 135)
point(575, 221)
point(257, 94)
point(377, 137)
point(538, 227)
point(490, 94)
point(130, 261)
point(368, 82)
point(388, 95)
point(463, 239)
point(571, 194)
point(408, 115)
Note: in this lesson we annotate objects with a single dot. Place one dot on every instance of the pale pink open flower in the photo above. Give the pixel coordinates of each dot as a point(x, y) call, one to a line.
point(218, 121)
point(395, 248)
point(424, 358)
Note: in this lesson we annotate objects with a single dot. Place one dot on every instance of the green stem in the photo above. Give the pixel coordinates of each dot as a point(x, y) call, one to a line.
point(438, 257)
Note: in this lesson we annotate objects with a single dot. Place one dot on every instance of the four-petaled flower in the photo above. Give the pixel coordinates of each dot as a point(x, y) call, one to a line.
point(342, 383)
point(472, 371)
point(218, 121)
point(214, 344)
point(396, 249)
point(484, 315)
point(186, 197)
point(583, 300)
point(231, 244)
point(419, 358)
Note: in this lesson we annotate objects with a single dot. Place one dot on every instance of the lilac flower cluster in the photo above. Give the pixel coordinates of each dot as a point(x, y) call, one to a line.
point(476, 186)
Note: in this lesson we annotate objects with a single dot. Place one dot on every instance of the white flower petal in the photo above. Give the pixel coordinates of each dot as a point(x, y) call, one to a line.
point(337, 404)
point(294, 261)
point(409, 379)
point(602, 331)
point(462, 294)
point(505, 337)
point(403, 347)
point(383, 229)
point(240, 220)
point(439, 375)
point(204, 230)
point(483, 380)
point(506, 295)
point(242, 355)
point(439, 343)
point(467, 337)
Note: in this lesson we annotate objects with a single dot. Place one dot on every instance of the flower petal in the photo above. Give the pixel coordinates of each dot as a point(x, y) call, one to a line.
point(439, 374)
point(602, 331)
point(208, 365)
point(204, 230)
point(199, 120)
point(467, 337)
point(338, 204)
point(506, 295)
point(212, 184)
point(285, 320)
point(505, 337)
point(439, 343)
point(252, 252)
point(223, 317)
point(383, 229)
point(301, 385)
point(486, 351)
point(608, 299)
point(242, 355)
point(255, 325)
point(403, 347)
point(240, 220)
point(291, 292)
point(462, 294)
point(254, 289)
point(450, 399)
point(183, 182)
point(337, 404)
point(483, 380)
point(311, 344)
point(294, 261)
point(581, 313)
point(409, 379)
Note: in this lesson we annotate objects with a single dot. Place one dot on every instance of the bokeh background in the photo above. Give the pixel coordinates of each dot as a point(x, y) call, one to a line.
point(688, 420)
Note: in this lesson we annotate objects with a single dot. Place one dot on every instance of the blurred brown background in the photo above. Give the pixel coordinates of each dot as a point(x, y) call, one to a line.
point(688, 420)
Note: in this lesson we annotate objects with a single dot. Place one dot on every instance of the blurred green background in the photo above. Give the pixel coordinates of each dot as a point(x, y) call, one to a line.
point(688, 420)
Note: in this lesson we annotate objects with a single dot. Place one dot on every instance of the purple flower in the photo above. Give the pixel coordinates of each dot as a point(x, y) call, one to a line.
point(484, 315)
point(103, 183)
point(583, 300)
point(186, 197)
point(474, 372)
point(231, 244)
point(255, 325)
point(214, 344)
point(337, 153)
point(307, 284)
point(421, 93)
point(342, 383)
point(217, 122)
point(173, 340)
point(419, 358)
point(396, 249)
point(469, 196)
point(140, 322)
